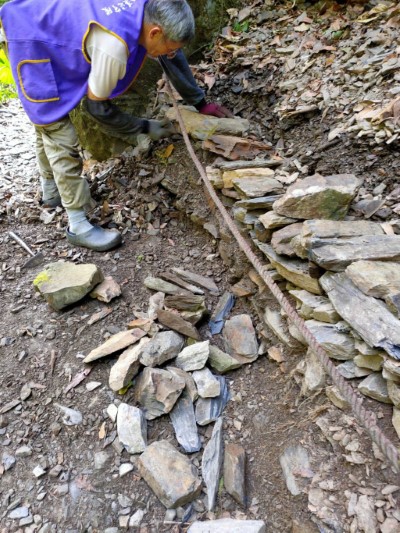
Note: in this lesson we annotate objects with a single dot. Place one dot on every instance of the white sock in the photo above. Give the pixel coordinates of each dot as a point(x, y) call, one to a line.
point(77, 221)
point(49, 188)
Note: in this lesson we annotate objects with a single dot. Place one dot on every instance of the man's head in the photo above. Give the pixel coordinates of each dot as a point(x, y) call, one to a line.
point(167, 26)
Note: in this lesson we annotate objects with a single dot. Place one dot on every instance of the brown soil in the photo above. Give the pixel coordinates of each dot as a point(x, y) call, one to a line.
point(266, 414)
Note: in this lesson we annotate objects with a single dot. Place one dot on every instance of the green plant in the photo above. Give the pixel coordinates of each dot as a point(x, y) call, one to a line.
point(7, 85)
point(5, 70)
point(241, 27)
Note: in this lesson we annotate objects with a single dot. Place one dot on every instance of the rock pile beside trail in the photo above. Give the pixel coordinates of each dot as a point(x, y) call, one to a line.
point(342, 272)
point(170, 370)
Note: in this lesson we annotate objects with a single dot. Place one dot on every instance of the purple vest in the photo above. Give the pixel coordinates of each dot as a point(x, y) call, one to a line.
point(46, 47)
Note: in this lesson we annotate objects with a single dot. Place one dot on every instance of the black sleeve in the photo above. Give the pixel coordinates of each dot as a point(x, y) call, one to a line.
point(115, 120)
point(178, 71)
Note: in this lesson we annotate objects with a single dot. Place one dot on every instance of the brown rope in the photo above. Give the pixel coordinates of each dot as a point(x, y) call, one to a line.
point(364, 416)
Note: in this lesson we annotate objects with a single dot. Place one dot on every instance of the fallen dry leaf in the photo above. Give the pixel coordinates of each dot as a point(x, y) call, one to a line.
point(102, 431)
point(77, 379)
point(234, 148)
point(168, 151)
point(209, 80)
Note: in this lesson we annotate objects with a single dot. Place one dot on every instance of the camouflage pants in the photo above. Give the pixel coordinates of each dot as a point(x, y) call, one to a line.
point(57, 151)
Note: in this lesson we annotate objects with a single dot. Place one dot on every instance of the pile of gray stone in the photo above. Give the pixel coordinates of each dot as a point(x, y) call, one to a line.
point(173, 372)
point(342, 272)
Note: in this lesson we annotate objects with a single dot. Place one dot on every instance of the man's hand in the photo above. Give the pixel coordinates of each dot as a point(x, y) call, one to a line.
point(216, 110)
point(158, 129)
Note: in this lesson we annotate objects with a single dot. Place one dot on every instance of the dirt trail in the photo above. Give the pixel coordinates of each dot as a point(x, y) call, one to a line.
point(348, 486)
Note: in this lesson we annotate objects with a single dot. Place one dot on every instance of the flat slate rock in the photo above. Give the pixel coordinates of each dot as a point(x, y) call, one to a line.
point(375, 278)
point(170, 474)
point(190, 387)
point(256, 187)
point(235, 472)
point(372, 362)
point(210, 409)
point(184, 421)
point(276, 323)
point(177, 323)
point(202, 127)
point(338, 344)
point(317, 233)
point(176, 280)
point(185, 302)
point(370, 317)
point(248, 218)
point(117, 342)
point(207, 384)
point(193, 357)
point(306, 302)
point(314, 375)
point(319, 197)
point(221, 361)
point(375, 386)
point(222, 310)
point(162, 347)
point(272, 220)
point(62, 284)
point(127, 366)
point(391, 370)
point(212, 462)
point(240, 337)
point(160, 285)
point(337, 254)
point(228, 525)
point(253, 204)
point(245, 173)
point(294, 270)
point(157, 391)
point(131, 428)
point(197, 279)
point(282, 238)
point(350, 370)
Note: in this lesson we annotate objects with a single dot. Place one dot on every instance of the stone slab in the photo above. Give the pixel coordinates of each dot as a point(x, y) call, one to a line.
point(117, 342)
point(184, 421)
point(240, 337)
point(131, 428)
point(245, 173)
point(228, 525)
point(171, 475)
point(210, 409)
point(370, 317)
point(212, 462)
point(337, 254)
point(326, 197)
point(127, 366)
point(256, 187)
point(294, 270)
point(157, 391)
point(202, 127)
point(235, 472)
point(62, 284)
point(193, 357)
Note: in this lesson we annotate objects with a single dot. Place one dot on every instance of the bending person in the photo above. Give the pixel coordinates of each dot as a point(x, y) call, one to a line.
point(61, 51)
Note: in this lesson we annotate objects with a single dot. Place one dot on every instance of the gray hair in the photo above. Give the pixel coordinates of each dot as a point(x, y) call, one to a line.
point(174, 17)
